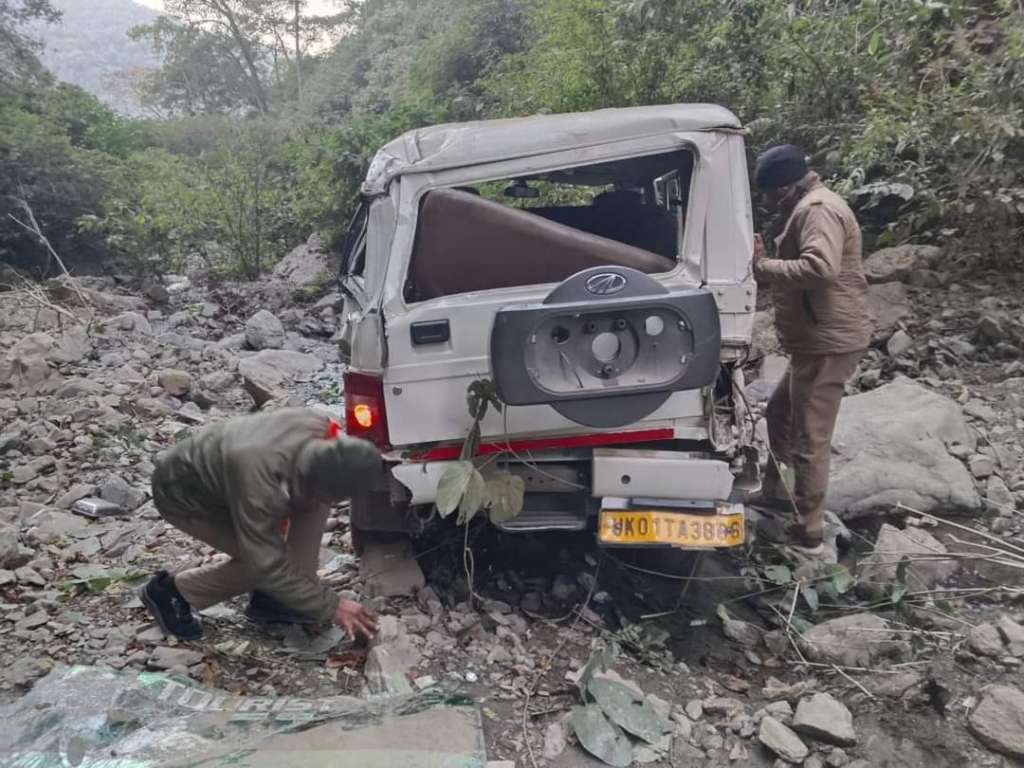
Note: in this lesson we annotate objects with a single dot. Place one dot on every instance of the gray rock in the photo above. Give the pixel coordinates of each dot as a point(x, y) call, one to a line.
point(9, 547)
point(980, 411)
point(165, 657)
point(880, 567)
point(823, 718)
point(899, 343)
point(852, 641)
point(998, 720)
point(129, 322)
point(888, 306)
point(174, 382)
point(985, 640)
point(742, 632)
point(1013, 634)
point(116, 490)
point(894, 264)
point(191, 413)
point(28, 472)
point(79, 388)
point(555, 740)
point(781, 740)
point(29, 576)
point(7, 577)
point(74, 493)
point(998, 497)
point(266, 374)
point(264, 331)
point(982, 466)
point(22, 672)
point(306, 266)
point(27, 368)
point(890, 446)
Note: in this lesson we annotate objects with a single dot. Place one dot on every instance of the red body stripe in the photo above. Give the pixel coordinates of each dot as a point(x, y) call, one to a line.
point(446, 452)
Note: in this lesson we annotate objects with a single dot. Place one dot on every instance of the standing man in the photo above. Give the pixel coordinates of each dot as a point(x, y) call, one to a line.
point(233, 485)
point(820, 297)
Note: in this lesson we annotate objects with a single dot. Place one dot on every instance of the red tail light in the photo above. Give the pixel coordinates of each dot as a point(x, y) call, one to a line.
point(365, 415)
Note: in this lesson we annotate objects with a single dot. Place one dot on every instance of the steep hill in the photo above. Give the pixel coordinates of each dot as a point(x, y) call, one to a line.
point(91, 48)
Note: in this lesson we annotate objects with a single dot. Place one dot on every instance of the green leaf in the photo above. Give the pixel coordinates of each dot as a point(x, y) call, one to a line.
point(452, 486)
point(630, 712)
point(899, 588)
point(472, 497)
point(600, 737)
point(778, 574)
point(842, 580)
point(504, 496)
point(875, 44)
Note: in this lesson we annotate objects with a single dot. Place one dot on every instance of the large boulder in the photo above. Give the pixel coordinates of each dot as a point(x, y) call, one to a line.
point(888, 306)
point(266, 374)
point(307, 266)
point(30, 365)
point(890, 446)
point(264, 331)
point(895, 264)
point(858, 640)
point(998, 720)
point(878, 570)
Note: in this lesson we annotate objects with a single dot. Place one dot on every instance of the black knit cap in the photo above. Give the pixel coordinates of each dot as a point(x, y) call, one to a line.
point(780, 166)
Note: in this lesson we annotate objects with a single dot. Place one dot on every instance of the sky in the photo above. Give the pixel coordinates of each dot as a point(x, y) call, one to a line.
point(315, 6)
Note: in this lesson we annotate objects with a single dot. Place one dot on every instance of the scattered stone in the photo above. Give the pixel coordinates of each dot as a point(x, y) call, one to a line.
point(890, 447)
point(853, 641)
point(999, 497)
point(165, 657)
point(823, 718)
point(742, 632)
point(555, 740)
point(888, 306)
point(117, 491)
point(897, 263)
point(880, 567)
point(998, 720)
point(782, 741)
point(7, 577)
point(174, 382)
point(130, 322)
point(29, 577)
point(264, 331)
point(191, 413)
point(982, 466)
point(899, 343)
point(9, 548)
point(694, 709)
point(266, 373)
point(985, 640)
point(1013, 634)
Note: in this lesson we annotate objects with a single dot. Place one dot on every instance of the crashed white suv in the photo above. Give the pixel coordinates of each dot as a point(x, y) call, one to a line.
point(596, 268)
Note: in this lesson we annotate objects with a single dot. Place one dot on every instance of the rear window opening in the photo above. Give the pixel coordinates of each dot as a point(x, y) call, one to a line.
point(545, 228)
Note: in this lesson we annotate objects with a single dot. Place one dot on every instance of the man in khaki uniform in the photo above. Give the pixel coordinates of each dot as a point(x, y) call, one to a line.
point(820, 297)
point(233, 485)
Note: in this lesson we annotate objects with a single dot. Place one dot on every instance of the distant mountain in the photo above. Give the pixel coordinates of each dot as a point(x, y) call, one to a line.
point(90, 47)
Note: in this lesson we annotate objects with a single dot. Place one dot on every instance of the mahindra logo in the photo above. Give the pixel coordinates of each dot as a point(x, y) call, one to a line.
point(606, 283)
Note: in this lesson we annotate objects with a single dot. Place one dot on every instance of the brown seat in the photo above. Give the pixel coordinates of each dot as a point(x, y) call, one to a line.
point(466, 243)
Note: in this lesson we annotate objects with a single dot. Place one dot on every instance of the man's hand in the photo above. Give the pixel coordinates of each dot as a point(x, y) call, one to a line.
point(355, 619)
point(760, 254)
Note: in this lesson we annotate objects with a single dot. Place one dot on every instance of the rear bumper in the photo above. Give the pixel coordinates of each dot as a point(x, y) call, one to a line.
point(672, 476)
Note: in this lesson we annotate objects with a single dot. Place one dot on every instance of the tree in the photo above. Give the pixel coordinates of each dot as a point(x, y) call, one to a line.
point(18, 61)
point(199, 75)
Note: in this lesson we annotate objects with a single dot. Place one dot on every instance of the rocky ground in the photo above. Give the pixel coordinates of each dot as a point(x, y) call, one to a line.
point(909, 654)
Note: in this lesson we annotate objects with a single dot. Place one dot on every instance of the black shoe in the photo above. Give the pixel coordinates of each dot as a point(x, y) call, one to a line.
point(264, 609)
point(171, 611)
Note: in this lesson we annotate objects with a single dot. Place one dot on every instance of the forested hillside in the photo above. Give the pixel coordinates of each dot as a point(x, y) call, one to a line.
point(913, 109)
point(90, 47)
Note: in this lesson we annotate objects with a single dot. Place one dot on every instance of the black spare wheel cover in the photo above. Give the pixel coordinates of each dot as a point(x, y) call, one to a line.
point(607, 347)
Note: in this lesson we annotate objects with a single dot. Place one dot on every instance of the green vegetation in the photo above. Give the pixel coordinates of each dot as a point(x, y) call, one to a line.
point(265, 129)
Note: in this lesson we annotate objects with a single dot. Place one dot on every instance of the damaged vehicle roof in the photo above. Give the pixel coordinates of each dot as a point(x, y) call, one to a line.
point(453, 145)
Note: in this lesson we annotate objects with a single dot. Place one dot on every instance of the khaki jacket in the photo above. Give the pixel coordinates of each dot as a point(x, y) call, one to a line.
point(247, 474)
point(817, 281)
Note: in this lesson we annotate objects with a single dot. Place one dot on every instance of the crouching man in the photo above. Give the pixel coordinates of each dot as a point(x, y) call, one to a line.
point(233, 485)
point(820, 297)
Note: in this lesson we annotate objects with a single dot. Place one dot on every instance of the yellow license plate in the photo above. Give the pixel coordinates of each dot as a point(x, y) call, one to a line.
point(677, 528)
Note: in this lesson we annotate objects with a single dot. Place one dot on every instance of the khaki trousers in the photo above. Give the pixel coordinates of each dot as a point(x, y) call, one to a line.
point(801, 419)
point(228, 576)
